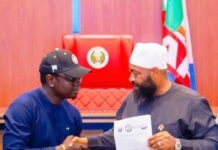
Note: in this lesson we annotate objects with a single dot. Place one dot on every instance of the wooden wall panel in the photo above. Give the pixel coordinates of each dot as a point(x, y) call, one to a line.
point(140, 18)
point(28, 29)
point(203, 21)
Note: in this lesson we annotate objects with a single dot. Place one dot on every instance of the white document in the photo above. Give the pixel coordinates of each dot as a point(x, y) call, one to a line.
point(133, 133)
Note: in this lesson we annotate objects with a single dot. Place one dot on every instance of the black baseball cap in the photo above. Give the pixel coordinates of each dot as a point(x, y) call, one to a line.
point(62, 61)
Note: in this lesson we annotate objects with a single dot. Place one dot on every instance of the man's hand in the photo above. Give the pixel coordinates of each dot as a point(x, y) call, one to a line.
point(162, 141)
point(70, 144)
point(82, 140)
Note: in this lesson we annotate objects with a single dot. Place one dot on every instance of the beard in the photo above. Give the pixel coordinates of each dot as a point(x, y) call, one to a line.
point(146, 90)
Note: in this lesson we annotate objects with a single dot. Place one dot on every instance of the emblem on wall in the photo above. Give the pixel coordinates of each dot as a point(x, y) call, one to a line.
point(97, 57)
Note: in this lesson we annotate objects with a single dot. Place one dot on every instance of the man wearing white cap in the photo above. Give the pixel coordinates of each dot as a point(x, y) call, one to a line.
point(181, 118)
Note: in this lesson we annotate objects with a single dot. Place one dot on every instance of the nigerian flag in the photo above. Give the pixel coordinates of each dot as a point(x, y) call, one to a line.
point(176, 37)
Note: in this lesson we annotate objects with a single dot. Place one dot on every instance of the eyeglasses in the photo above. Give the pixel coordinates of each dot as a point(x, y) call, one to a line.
point(74, 80)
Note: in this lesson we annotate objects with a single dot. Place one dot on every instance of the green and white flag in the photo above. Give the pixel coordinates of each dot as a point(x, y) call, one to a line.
point(176, 37)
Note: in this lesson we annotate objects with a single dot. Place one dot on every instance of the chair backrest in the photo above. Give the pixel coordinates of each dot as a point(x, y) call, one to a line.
point(107, 56)
point(105, 88)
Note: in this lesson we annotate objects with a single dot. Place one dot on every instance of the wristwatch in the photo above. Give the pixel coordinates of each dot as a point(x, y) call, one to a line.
point(178, 145)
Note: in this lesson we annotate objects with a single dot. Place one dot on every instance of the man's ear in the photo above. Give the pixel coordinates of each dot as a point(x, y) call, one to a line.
point(50, 80)
point(154, 73)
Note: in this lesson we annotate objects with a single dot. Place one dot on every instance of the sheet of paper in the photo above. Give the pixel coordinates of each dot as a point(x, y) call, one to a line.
point(133, 133)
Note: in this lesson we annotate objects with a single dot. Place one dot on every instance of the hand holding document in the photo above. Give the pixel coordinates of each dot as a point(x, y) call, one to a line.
point(133, 133)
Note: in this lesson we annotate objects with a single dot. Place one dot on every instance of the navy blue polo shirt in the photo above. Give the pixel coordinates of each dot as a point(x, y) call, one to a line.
point(32, 121)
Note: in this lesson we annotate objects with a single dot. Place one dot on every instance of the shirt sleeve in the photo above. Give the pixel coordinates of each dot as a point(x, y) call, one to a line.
point(203, 128)
point(17, 130)
point(106, 140)
point(102, 142)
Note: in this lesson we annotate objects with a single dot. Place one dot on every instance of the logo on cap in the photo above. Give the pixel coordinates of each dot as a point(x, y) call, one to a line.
point(74, 59)
point(97, 57)
point(54, 67)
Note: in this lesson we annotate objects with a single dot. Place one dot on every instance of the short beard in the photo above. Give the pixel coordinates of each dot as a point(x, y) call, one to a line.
point(146, 90)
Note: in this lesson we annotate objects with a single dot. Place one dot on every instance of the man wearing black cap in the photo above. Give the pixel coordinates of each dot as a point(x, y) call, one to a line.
point(43, 118)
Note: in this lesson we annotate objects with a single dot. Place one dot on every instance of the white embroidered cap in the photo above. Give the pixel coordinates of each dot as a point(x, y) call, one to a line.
point(149, 55)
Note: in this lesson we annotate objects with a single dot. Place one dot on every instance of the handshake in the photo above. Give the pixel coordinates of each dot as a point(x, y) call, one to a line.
point(73, 143)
